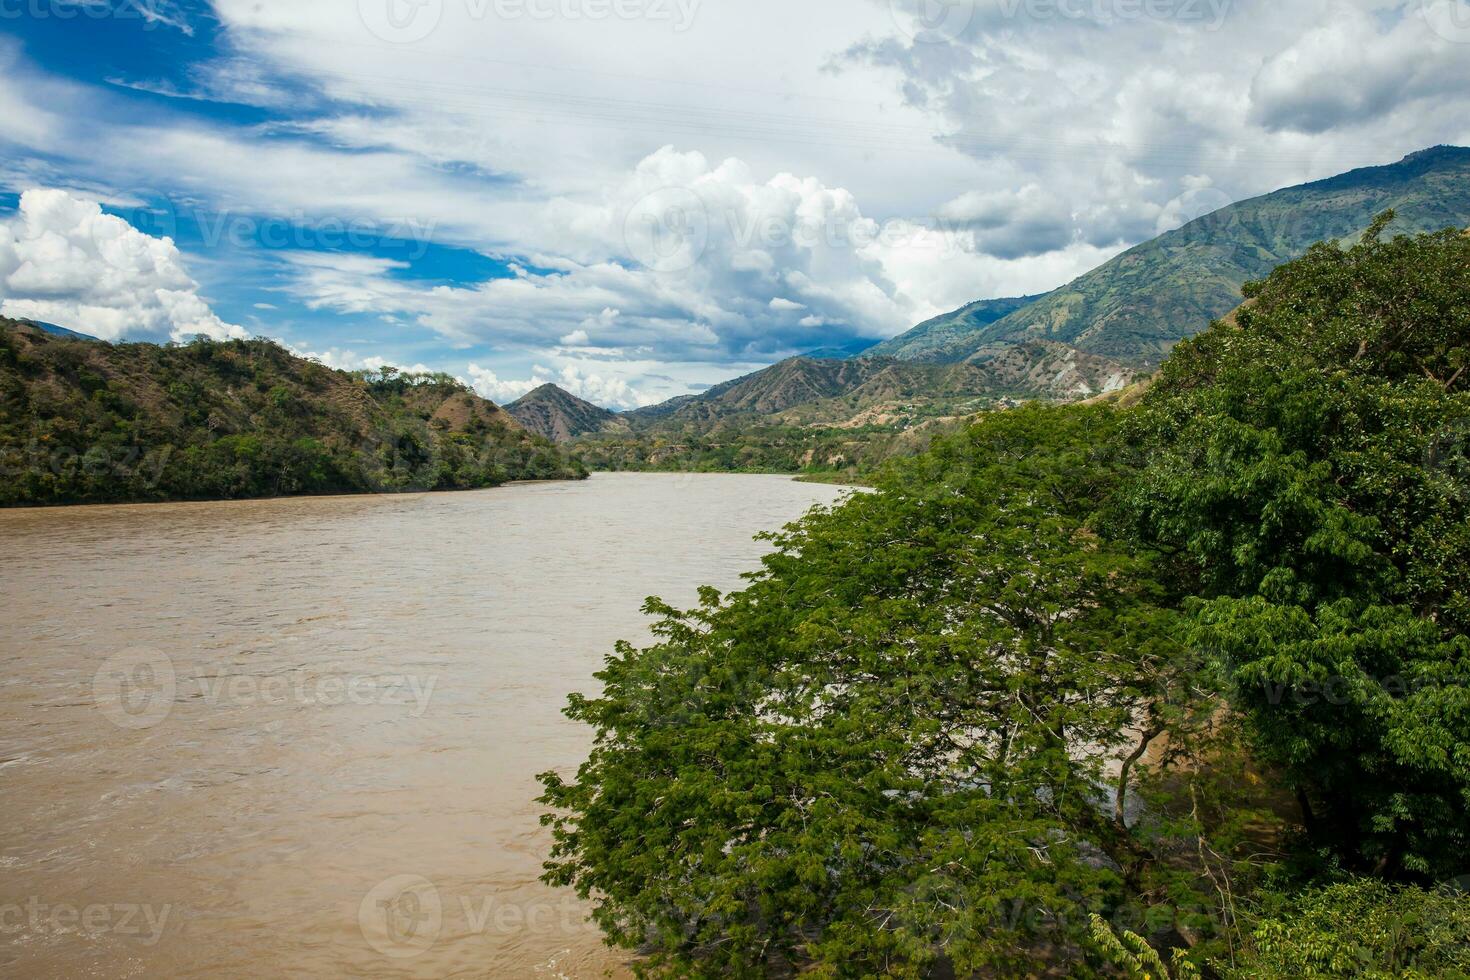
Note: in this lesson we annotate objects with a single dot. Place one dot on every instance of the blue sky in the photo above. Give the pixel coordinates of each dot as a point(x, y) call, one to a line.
point(640, 198)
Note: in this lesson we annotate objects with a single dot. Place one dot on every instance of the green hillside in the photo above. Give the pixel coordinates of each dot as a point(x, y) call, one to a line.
point(85, 421)
point(1137, 306)
point(946, 338)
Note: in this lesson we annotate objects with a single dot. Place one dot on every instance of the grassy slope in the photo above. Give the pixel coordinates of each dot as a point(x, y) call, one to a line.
point(945, 338)
point(84, 421)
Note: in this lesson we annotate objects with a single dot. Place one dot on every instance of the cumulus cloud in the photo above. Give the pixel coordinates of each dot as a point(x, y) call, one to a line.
point(1353, 70)
point(63, 260)
point(609, 392)
point(488, 384)
point(684, 257)
point(1012, 224)
point(1108, 116)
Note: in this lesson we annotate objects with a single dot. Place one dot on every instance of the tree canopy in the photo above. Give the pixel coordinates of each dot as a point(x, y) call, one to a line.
point(1156, 664)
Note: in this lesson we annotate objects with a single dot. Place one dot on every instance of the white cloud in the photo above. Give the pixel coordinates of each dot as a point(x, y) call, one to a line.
point(681, 257)
point(1106, 123)
point(488, 385)
point(1352, 71)
point(609, 392)
point(63, 260)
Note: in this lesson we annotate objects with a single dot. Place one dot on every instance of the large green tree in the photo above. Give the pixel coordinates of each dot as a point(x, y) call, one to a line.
point(1307, 474)
point(909, 739)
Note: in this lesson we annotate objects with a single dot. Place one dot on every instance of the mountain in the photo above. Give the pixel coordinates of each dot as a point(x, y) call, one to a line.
point(86, 421)
point(559, 415)
point(56, 331)
point(1134, 308)
point(943, 339)
point(882, 390)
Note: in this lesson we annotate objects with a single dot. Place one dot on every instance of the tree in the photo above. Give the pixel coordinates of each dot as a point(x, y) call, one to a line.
point(1360, 929)
point(1297, 478)
point(900, 744)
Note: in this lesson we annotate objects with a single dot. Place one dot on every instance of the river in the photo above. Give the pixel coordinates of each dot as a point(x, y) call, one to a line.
point(300, 737)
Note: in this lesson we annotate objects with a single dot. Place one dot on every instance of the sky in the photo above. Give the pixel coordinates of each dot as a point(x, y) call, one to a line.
point(637, 199)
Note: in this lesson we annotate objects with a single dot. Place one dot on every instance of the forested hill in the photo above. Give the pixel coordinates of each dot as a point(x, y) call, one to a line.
point(86, 421)
point(1134, 308)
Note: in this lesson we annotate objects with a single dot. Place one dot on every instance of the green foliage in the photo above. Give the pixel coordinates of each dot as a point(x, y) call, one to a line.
point(1291, 476)
point(896, 747)
point(83, 421)
point(852, 453)
point(1131, 955)
point(1359, 929)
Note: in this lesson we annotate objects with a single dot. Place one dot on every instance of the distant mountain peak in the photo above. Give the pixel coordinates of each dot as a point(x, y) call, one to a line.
point(557, 414)
point(55, 331)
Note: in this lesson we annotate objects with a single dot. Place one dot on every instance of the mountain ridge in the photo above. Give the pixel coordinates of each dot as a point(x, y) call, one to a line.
point(1136, 306)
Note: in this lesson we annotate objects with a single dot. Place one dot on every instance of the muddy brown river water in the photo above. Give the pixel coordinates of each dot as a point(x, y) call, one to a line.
point(300, 737)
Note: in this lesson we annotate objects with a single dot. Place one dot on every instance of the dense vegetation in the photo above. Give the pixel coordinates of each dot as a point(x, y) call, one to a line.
point(743, 447)
point(1168, 690)
point(83, 421)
